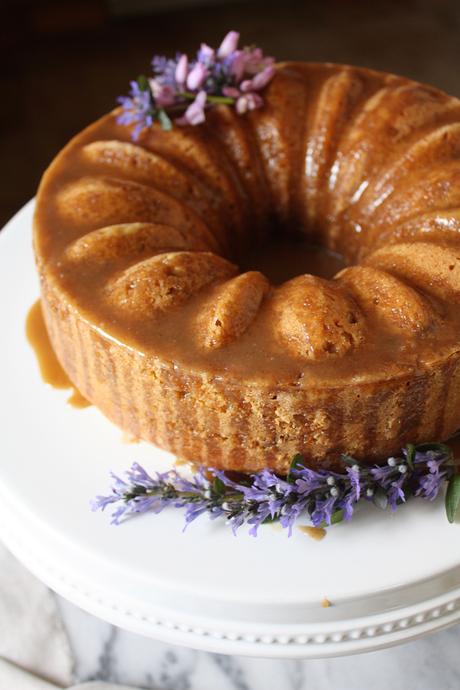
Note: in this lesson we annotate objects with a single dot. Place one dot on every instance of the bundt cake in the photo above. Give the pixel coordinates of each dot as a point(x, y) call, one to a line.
point(138, 245)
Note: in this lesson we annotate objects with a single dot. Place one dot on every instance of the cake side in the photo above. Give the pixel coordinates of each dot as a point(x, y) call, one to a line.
point(235, 426)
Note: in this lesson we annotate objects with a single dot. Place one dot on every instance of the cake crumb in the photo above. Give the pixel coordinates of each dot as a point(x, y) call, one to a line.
point(316, 533)
point(325, 603)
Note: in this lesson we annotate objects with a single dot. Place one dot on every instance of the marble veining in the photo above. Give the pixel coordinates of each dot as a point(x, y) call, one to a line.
point(103, 652)
point(48, 636)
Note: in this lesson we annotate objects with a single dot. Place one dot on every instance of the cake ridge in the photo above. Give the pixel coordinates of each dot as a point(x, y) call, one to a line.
point(149, 168)
point(230, 368)
point(216, 170)
point(104, 198)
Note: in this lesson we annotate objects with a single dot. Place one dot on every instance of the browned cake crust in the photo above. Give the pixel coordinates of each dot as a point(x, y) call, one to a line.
point(137, 246)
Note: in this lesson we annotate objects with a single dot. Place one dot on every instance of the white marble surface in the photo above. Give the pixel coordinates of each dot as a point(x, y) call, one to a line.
point(103, 652)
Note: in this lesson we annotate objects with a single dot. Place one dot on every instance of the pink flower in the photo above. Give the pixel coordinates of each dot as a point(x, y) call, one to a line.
point(238, 65)
point(163, 94)
point(181, 69)
point(178, 86)
point(197, 76)
point(259, 81)
point(248, 101)
point(256, 61)
point(229, 44)
point(231, 92)
point(194, 115)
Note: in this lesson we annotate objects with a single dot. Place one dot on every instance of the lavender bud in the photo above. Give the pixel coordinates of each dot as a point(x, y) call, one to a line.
point(262, 78)
point(194, 114)
point(197, 77)
point(248, 101)
point(182, 69)
point(229, 44)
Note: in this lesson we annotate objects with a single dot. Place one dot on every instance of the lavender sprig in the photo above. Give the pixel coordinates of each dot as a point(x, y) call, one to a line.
point(184, 89)
point(324, 497)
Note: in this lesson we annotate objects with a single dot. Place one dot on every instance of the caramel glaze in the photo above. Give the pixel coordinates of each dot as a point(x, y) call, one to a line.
point(50, 369)
point(316, 533)
point(327, 156)
point(256, 355)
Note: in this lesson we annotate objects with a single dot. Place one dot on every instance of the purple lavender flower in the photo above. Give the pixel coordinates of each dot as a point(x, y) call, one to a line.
point(165, 68)
point(194, 510)
point(324, 508)
point(353, 473)
point(396, 493)
point(383, 474)
point(307, 481)
point(101, 502)
point(206, 55)
point(138, 476)
point(138, 109)
point(291, 512)
point(186, 89)
point(325, 497)
point(430, 483)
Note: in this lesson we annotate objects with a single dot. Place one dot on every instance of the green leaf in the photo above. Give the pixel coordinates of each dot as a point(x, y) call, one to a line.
point(453, 497)
point(143, 82)
point(410, 448)
point(297, 460)
point(269, 519)
point(165, 120)
point(440, 447)
point(218, 487)
point(336, 517)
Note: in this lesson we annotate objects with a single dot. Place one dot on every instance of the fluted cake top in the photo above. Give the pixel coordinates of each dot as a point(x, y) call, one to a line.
point(145, 237)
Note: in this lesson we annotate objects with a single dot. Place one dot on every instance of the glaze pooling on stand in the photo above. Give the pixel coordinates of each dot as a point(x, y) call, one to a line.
point(151, 318)
point(50, 369)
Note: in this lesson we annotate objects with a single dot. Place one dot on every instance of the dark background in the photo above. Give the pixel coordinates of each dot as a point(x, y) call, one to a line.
point(65, 62)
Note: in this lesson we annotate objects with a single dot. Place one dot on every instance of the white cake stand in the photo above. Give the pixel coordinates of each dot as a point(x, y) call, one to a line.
point(389, 578)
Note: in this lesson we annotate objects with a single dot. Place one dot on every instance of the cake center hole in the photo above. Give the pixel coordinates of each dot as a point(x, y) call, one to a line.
point(281, 259)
